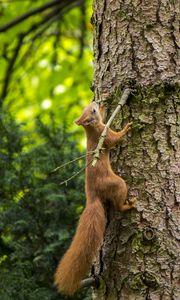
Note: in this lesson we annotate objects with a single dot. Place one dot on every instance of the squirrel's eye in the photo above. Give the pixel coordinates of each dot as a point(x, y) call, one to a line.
point(94, 111)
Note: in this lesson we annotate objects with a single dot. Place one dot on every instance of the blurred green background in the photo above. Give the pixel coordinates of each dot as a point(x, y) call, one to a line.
point(46, 72)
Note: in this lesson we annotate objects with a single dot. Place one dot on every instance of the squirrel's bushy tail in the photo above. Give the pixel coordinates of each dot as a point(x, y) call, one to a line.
point(83, 249)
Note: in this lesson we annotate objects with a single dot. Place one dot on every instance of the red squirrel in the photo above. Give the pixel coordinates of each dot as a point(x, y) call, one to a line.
point(101, 184)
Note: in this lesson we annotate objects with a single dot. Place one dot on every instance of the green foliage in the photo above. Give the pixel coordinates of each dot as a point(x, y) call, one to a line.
point(53, 68)
point(38, 215)
point(48, 82)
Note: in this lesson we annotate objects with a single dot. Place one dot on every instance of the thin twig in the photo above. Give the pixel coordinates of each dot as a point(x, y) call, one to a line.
point(98, 149)
point(77, 173)
point(37, 35)
point(71, 161)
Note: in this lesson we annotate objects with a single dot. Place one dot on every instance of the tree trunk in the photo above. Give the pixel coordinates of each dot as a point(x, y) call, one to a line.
point(136, 44)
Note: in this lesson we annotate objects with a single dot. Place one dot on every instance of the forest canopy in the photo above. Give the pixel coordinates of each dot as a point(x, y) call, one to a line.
point(45, 80)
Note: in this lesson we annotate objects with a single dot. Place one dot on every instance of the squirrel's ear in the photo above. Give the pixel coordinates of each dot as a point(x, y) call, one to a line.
point(102, 110)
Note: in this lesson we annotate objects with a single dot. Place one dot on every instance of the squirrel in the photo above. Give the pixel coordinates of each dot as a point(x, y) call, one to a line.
point(101, 184)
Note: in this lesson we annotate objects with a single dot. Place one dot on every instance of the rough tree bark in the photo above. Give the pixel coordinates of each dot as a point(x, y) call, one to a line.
point(136, 45)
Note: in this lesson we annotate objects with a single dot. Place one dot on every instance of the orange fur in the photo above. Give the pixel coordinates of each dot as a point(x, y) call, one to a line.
point(77, 260)
point(101, 184)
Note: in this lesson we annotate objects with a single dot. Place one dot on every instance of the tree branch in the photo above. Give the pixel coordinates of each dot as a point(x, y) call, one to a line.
point(16, 52)
point(29, 14)
point(10, 67)
point(99, 147)
point(83, 30)
point(50, 17)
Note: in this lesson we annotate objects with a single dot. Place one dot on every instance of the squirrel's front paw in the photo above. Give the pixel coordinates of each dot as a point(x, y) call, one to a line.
point(128, 127)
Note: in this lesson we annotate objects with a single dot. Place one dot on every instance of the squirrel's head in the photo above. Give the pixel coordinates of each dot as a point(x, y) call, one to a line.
point(91, 116)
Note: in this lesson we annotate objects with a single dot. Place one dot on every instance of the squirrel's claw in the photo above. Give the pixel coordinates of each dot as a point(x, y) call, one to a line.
point(128, 126)
point(132, 201)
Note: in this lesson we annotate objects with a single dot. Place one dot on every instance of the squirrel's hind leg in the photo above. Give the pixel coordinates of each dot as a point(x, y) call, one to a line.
point(117, 193)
